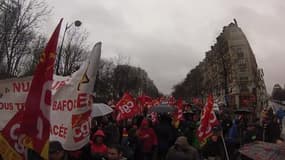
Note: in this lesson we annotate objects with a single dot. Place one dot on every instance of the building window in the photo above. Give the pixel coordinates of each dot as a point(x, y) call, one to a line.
point(243, 78)
point(242, 61)
point(243, 69)
point(243, 88)
point(239, 53)
point(242, 66)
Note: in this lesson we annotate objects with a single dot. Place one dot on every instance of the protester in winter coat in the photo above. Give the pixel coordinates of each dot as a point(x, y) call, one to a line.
point(280, 113)
point(282, 135)
point(214, 148)
point(165, 135)
point(112, 133)
point(115, 153)
point(271, 130)
point(131, 144)
point(56, 152)
point(253, 133)
point(182, 151)
point(97, 146)
point(188, 127)
point(226, 123)
point(233, 135)
point(148, 139)
point(81, 154)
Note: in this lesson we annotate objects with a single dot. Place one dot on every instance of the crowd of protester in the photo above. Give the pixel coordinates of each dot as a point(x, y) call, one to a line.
point(142, 139)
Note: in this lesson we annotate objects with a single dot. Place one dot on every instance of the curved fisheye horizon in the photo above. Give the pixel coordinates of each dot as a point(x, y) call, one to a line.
point(168, 39)
point(142, 80)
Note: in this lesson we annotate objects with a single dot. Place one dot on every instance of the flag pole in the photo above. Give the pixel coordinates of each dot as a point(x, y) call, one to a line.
point(225, 147)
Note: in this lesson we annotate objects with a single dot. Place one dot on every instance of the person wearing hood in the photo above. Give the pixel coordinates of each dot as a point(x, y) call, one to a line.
point(148, 139)
point(181, 150)
point(97, 146)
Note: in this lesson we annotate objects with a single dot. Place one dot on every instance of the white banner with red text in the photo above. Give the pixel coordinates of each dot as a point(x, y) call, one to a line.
point(71, 103)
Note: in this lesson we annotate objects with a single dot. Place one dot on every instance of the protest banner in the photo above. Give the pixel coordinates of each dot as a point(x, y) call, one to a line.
point(71, 101)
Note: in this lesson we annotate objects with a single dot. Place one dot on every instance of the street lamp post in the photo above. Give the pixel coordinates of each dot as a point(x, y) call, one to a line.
point(76, 23)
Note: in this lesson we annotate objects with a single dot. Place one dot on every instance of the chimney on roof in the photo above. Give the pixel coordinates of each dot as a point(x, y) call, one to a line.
point(235, 22)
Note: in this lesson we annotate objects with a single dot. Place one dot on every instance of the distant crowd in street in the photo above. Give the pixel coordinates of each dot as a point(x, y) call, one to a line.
point(141, 138)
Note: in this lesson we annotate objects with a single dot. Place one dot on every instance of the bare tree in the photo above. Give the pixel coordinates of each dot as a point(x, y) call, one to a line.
point(74, 51)
point(19, 20)
point(104, 81)
point(121, 60)
point(30, 61)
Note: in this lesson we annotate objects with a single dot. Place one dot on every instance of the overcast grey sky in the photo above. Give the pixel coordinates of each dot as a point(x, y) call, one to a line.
point(168, 38)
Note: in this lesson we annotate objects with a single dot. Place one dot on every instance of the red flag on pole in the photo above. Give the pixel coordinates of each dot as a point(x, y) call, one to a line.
point(179, 105)
point(155, 102)
point(178, 115)
point(208, 120)
point(145, 100)
point(31, 127)
point(171, 100)
point(36, 124)
point(127, 107)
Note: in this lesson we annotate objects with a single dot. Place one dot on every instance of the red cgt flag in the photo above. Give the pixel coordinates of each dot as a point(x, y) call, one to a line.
point(145, 100)
point(208, 120)
point(31, 127)
point(127, 107)
point(179, 114)
point(36, 124)
point(171, 100)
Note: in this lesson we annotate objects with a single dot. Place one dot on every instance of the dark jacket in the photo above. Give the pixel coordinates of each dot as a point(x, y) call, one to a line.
point(112, 134)
point(271, 132)
point(184, 152)
point(165, 136)
point(214, 149)
point(187, 129)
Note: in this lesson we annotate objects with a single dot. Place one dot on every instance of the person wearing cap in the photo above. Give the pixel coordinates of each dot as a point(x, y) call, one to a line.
point(56, 151)
point(97, 146)
point(181, 150)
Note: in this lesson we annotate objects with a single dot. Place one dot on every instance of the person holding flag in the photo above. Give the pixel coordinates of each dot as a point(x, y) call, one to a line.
point(208, 121)
point(210, 127)
point(214, 148)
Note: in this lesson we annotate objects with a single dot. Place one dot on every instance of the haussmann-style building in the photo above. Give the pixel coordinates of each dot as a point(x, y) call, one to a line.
point(229, 68)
